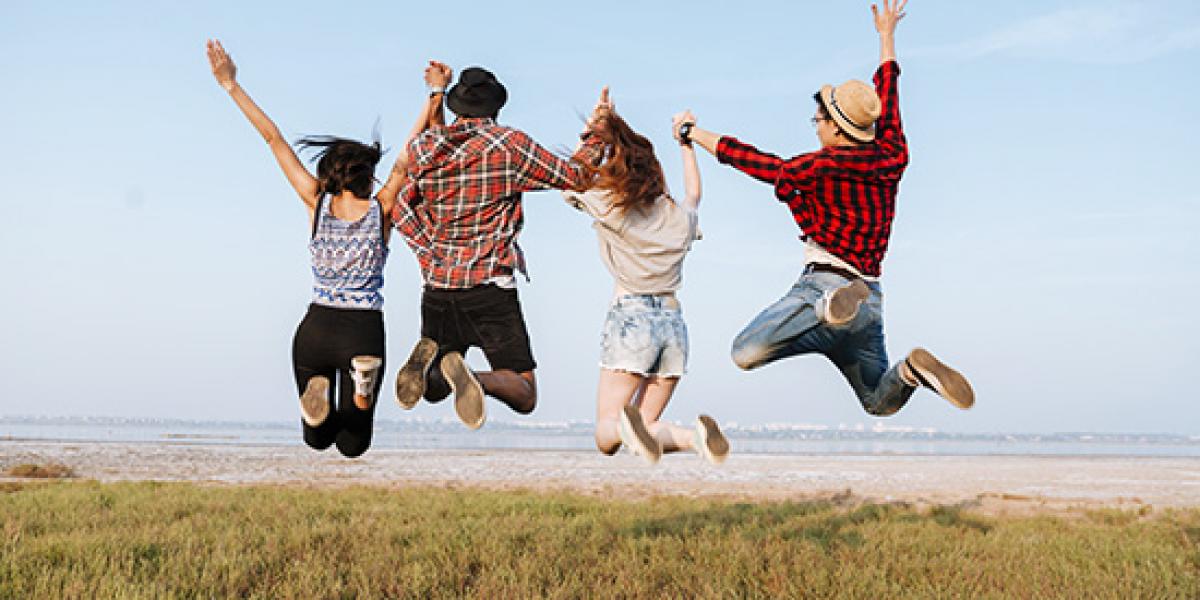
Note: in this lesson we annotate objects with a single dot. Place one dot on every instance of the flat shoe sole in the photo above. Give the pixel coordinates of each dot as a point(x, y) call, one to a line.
point(714, 445)
point(947, 382)
point(635, 435)
point(410, 381)
point(314, 402)
point(842, 305)
point(468, 394)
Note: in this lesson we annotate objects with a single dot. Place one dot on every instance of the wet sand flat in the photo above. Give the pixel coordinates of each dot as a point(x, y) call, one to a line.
point(995, 484)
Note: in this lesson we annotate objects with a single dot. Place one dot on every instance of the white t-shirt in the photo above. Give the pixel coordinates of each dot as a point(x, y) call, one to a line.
point(642, 248)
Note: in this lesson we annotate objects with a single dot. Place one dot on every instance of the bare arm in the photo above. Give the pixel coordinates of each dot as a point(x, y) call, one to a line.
point(885, 24)
point(437, 75)
point(691, 171)
point(703, 137)
point(225, 73)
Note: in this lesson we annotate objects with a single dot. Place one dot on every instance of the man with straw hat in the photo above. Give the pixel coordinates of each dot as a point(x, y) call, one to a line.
point(843, 198)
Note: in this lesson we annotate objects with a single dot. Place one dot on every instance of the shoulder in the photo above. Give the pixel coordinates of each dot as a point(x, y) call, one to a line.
point(595, 202)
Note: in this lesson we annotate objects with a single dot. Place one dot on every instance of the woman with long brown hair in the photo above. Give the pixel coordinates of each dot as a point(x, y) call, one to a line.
point(644, 235)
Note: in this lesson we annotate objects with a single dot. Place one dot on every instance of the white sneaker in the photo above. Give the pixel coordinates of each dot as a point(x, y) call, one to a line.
point(364, 370)
point(841, 305)
point(314, 402)
point(709, 441)
point(468, 394)
point(635, 435)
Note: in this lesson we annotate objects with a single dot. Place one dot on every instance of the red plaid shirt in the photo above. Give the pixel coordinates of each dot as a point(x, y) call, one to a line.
point(842, 197)
point(460, 210)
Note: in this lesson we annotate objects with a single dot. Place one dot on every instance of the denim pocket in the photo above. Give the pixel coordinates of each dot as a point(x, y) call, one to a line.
point(627, 330)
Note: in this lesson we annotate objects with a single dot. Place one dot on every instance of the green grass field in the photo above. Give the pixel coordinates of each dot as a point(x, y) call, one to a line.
point(84, 539)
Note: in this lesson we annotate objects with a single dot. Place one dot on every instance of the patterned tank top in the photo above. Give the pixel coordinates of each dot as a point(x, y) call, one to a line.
point(348, 258)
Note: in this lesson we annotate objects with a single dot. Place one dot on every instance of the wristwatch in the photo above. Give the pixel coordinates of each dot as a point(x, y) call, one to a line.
point(436, 90)
point(685, 132)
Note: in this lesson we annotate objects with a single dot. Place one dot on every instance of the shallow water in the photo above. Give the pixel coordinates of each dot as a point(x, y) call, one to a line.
point(577, 436)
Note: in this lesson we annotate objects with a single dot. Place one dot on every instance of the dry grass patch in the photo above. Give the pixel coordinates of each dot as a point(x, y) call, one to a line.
point(88, 539)
point(36, 471)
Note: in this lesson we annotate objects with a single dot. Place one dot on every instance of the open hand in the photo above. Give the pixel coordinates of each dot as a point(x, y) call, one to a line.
point(886, 19)
point(438, 75)
point(222, 66)
point(603, 108)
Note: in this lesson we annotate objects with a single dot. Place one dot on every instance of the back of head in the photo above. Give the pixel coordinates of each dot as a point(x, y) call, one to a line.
point(477, 94)
point(630, 170)
point(344, 164)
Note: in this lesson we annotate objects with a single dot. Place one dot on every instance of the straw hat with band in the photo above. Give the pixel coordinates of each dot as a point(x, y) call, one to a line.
point(477, 94)
point(854, 106)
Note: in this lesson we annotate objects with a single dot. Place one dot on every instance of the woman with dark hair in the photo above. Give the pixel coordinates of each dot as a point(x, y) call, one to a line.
point(340, 342)
point(644, 235)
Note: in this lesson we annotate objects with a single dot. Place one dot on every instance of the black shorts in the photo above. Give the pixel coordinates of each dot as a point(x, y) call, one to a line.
point(487, 316)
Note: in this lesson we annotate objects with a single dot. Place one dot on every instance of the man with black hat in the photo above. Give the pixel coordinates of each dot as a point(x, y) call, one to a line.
point(460, 212)
point(843, 198)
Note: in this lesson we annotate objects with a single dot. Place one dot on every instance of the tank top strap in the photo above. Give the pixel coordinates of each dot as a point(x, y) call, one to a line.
point(316, 220)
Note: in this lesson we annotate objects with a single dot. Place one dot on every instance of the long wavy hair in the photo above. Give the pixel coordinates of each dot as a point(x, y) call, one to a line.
point(629, 169)
point(343, 164)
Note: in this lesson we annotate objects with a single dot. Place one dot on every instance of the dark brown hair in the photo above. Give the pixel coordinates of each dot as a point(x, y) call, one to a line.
point(344, 164)
point(629, 170)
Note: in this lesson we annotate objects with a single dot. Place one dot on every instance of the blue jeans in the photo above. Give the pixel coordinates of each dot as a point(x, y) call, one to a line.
point(793, 326)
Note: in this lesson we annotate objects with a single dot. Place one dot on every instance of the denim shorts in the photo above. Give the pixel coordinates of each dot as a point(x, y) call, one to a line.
point(645, 335)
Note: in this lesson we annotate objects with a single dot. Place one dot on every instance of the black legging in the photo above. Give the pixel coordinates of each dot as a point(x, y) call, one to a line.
point(324, 344)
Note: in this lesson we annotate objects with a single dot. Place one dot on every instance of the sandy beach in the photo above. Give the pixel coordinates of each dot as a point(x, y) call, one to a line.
point(993, 484)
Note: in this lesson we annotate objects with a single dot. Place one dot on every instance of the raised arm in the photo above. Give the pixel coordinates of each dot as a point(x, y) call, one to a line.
point(437, 77)
point(225, 73)
point(691, 171)
point(760, 165)
point(885, 24)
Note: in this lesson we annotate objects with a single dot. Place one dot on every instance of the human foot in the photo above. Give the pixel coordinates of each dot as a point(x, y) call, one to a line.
point(468, 394)
point(364, 370)
point(924, 369)
point(635, 435)
point(841, 305)
point(314, 402)
point(709, 441)
point(410, 381)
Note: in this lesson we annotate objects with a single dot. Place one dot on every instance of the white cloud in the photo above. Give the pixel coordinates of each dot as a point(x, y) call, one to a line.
point(1103, 34)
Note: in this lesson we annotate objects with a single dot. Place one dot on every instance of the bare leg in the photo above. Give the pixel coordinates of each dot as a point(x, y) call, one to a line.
point(517, 390)
point(615, 391)
point(657, 393)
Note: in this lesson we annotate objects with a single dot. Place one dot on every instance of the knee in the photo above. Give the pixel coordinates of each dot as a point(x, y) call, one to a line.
point(880, 411)
point(525, 405)
point(747, 356)
point(607, 448)
point(353, 449)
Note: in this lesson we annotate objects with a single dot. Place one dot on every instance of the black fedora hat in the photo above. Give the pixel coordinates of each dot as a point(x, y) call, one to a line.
point(477, 94)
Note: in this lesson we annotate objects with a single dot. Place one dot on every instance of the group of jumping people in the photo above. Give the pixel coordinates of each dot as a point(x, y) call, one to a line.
point(454, 196)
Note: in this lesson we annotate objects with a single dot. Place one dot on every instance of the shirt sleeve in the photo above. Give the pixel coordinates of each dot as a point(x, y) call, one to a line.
point(592, 202)
point(888, 129)
point(540, 169)
point(749, 160)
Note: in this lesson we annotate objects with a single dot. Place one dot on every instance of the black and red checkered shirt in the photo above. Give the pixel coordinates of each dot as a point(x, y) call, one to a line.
point(842, 197)
point(460, 210)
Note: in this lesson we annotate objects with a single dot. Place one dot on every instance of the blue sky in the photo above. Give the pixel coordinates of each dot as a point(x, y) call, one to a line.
point(1044, 241)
